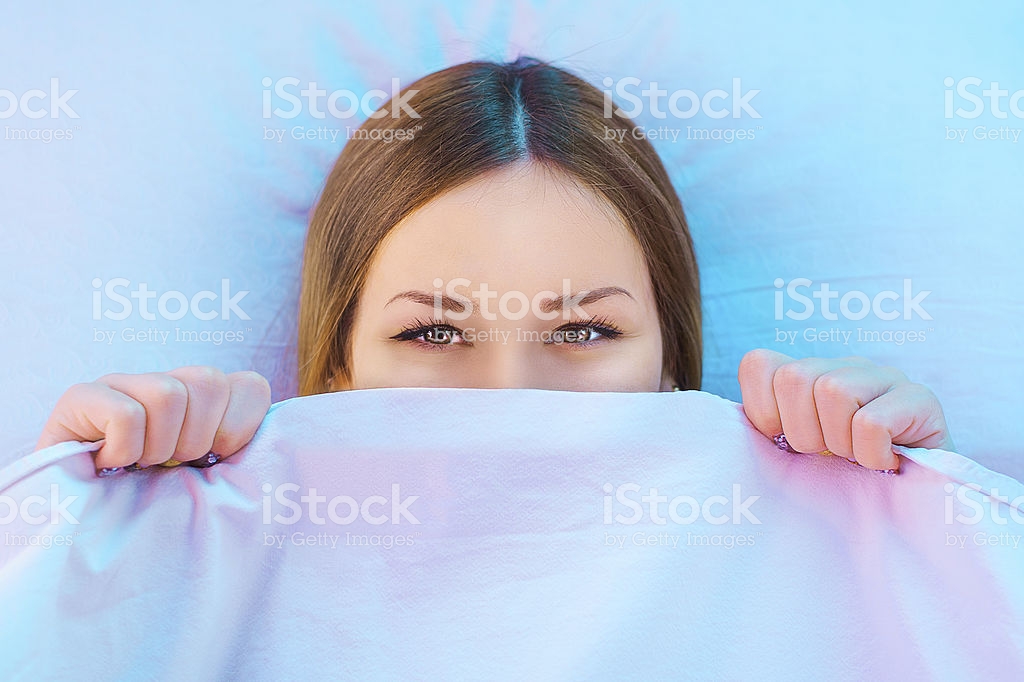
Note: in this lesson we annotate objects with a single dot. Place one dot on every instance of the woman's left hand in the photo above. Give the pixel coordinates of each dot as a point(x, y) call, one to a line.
point(848, 406)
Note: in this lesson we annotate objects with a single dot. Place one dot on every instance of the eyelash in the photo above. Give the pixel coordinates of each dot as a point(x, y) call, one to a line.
point(419, 327)
point(411, 333)
point(599, 323)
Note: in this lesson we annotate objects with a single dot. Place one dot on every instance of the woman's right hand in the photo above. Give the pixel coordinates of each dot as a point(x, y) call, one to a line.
point(183, 414)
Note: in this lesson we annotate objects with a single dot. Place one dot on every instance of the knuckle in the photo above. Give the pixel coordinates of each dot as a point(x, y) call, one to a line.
point(830, 387)
point(128, 412)
point(76, 393)
point(868, 422)
point(755, 362)
point(250, 380)
point(168, 393)
point(205, 379)
point(791, 375)
point(752, 359)
point(924, 394)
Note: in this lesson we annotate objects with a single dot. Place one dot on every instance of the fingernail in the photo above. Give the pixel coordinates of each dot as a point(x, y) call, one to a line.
point(888, 472)
point(107, 471)
point(203, 462)
point(782, 444)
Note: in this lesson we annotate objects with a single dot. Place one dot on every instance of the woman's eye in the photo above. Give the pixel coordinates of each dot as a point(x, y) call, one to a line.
point(577, 335)
point(440, 336)
point(582, 334)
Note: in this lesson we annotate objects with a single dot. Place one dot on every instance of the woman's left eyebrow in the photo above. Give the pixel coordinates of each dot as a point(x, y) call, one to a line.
point(550, 305)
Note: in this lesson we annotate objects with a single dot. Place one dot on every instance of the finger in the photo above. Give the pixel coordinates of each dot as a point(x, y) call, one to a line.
point(793, 385)
point(909, 414)
point(89, 412)
point(755, 375)
point(248, 403)
point(839, 393)
point(208, 395)
point(165, 399)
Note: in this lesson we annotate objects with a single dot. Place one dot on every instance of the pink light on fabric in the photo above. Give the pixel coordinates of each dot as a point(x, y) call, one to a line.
point(454, 533)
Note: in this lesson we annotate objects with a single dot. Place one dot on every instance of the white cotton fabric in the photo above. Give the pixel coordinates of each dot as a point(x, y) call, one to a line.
point(517, 562)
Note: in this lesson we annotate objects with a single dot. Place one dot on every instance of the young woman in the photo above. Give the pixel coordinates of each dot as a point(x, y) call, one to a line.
point(501, 232)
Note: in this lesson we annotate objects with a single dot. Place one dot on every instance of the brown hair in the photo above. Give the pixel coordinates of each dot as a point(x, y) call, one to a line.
point(474, 118)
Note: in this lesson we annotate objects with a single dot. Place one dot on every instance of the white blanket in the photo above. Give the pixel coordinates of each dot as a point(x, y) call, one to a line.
point(510, 534)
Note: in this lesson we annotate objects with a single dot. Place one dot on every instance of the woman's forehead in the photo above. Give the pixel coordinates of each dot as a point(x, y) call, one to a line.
point(516, 225)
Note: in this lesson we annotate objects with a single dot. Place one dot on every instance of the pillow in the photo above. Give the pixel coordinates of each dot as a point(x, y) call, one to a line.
point(173, 177)
point(510, 534)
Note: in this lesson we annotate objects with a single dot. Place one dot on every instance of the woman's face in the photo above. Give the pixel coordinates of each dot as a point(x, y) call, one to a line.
point(517, 280)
